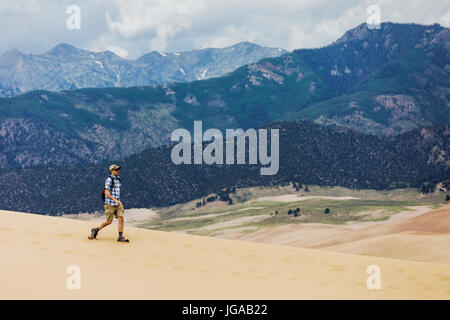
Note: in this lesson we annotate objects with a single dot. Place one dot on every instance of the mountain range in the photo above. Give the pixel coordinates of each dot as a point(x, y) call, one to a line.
point(370, 110)
point(66, 68)
point(383, 81)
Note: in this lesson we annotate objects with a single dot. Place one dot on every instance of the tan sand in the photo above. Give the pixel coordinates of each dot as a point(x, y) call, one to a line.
point(133, 216)
point(228, 223)
point(420, 235)
point(36, 251)
point(212, 215)
point(413, 211)
point(295, 197)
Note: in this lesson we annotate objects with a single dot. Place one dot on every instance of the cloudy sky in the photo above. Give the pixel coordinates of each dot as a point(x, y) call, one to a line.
point(132, 28)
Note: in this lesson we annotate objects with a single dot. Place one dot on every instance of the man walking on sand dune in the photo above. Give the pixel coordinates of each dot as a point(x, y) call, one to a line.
point(113, 206)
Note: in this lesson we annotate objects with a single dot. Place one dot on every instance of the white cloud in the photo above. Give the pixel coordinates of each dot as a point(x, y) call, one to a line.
point(132, 28)
point(445, 19)
point(19, 6)
point(160, 19)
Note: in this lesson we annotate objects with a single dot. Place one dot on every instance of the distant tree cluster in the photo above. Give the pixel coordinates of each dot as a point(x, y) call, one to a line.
point(428, 187)
point(297, 186)
point(200, 203)
point(224, 194)
point(295, 212)
point(207, 200)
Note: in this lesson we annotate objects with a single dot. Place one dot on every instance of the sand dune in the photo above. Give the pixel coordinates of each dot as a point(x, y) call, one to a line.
point(213, 215)
point(37, 250)
point(423, 237)
point(296, 197)
point(134, 216)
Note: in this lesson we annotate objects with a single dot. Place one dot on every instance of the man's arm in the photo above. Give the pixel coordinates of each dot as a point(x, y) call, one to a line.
point(111, 197)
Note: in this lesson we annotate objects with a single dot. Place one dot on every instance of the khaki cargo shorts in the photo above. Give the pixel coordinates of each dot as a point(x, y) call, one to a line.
point(113, 211)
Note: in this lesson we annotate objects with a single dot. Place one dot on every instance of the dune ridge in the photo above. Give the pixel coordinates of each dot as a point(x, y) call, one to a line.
point(425, 237)
point(36, 251)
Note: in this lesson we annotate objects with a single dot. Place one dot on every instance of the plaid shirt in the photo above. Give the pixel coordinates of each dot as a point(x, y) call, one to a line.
point(115, 192)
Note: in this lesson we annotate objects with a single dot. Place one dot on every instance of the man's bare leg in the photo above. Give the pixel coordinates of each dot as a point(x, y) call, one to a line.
point(104, 224)
point(121, 223)
point(95, 231)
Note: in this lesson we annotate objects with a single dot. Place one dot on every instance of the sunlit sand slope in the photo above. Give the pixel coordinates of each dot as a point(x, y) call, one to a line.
point(37, 250)
point(422, 238)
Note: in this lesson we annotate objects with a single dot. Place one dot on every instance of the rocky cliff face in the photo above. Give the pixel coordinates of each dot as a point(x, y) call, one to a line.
point(27, 141)
point(389, 81)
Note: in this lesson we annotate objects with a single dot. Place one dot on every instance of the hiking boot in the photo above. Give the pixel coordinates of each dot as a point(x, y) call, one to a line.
point(122, 239)
point(94, 232)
